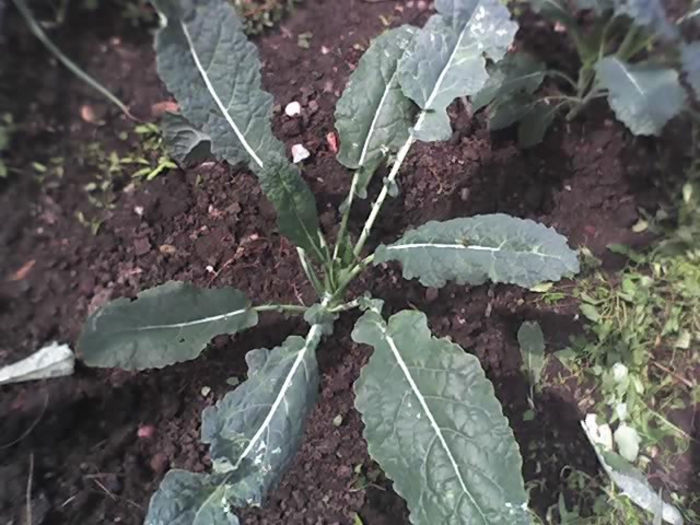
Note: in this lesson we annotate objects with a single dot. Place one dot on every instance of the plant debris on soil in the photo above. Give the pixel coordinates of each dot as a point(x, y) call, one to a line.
point(93, 447)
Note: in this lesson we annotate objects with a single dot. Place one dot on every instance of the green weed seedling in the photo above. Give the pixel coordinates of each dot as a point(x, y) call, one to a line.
point(431, 418)
point(628, 51)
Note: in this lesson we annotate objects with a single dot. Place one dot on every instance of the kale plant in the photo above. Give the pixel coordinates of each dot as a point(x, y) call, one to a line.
point(431, 418)
point(628, 51)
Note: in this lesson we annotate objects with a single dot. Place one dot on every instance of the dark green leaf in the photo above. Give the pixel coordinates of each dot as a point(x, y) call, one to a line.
point(644, 97)
point(186, 498)
point(257, 428)
point(297, 217)
point(434, 425)
point(690, 58)
point(206, 61)
point(184, 143)
point(517, 72)
point(531, 341)
point(448, 59)
point(164, 325)
point(373, 117)
point(554, 10)
point(496, 247)
point(649, 14)
point(535, 123)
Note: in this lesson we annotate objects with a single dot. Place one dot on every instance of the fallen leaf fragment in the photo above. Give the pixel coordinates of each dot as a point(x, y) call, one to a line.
point(299, 153)
point(53, 360)
point(22, 273)
point(332, 140)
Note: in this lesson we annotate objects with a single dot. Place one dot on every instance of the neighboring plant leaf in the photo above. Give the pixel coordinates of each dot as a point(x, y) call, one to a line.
point(597, 6)
point(517, 72)
point(164, 325)
point(643, 97)
point(434, 425)
point(52, 360)
point(187, 498)
point(554, 10)
point(690, 58)
point(257, 428)
point(184, 143)
point(631, 481)
point(373, 117)
point(531, 341)
point(647, 13)
point(497, 247)
point(535, 123)
point(508, 110)
point(207, 63)
point(448, 59)
point(297, 217)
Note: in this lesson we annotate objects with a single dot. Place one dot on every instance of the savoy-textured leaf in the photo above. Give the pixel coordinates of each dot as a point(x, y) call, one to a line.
point(498, 247)
point(164, 325)
point(207, 63)
point(257, 428)
point(448, 59)
point(531, 341)
point(294, 202)
point(690, 59)
point(373, 117)
point(643, 97)
point(517, 72)
point(184, 143)
point(434, 425)
point(187, 498)
point(649, 14)
point(535, 123)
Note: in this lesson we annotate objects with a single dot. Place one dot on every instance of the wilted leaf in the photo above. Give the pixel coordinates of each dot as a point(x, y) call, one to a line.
point(631, 481)
point(517, 72)
point(531, 341)
point(184, 143)
point(649, 14)
point(373, 117)
point(434, 425)
point(186, 498)
point(448, 59)
point(297, 217)
point(207, 63)
point(496, 247)
point(164, 325)
point(644, 97)
point(257, 428)
point(690, 58)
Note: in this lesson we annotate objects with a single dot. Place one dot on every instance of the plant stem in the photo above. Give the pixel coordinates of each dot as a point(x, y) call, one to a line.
point(309, 271)
point(291, 308)
point(342, 232)
point(400, 157)
point(82, 75)
point(562, 75)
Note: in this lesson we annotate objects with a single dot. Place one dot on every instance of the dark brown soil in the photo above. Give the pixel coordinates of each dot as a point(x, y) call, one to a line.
point(212, 226)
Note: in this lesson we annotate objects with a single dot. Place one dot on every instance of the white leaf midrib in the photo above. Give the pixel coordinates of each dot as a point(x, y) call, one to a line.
point(310, 340)
point(195, 322)
point(375, 119)
point(431, 418)
point(475, 247)
point(210, 87)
